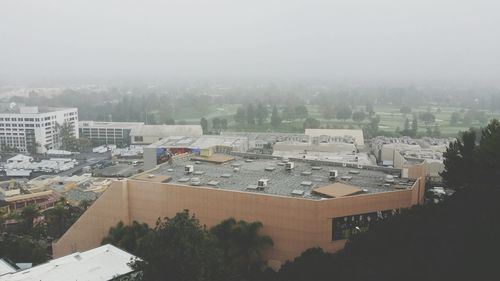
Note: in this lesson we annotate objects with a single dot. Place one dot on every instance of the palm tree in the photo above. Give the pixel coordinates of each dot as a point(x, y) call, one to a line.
point(28, 214)
point(58, 220)
point(242, 243)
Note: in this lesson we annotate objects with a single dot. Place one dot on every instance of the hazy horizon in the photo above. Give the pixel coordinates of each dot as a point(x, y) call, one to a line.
point(386, 40)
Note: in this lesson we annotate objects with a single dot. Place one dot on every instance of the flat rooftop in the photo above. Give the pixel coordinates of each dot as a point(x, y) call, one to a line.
point(243, 174)
point(103, 124)
point(37, 110)
point(199, 142)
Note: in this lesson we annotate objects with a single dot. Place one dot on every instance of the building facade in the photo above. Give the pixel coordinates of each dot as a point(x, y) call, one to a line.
point(34, 129)
point(148, 134)
point(294, 222)
point(100, 133)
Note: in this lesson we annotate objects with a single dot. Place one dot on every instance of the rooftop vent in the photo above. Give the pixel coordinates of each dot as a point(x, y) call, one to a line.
point(188, 169)
point(262, 183)
point(269, 169)
point(306, 183)
point(226, 175)
point(199, 173)
point(170, 170)
point(183, 180)
point(316, 168)
point(235, 169)
point(248, 160)
point(197, 162)
point(346, 178)
point(289, 166)
point(236, 165)
point(252, 187)
point(213, 183)
point(306, 173)
point(151, 176)
point(195, 183)
point(297, 192)
point(333, 175)
point(389, 179)
point(344, 165)
point(354, 172)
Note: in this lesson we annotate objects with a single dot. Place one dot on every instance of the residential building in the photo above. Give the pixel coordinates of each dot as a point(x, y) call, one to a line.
point(100, 133)
point(30, 129)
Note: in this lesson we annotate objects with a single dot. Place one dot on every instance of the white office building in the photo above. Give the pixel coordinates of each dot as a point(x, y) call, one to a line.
point(107, 132)
point(30, 129)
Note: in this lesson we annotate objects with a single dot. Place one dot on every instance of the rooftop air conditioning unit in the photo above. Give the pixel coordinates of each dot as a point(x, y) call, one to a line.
point(262, 183)
point(189, 169)
point(289, 166)
point(333, 175)
point(389, 179)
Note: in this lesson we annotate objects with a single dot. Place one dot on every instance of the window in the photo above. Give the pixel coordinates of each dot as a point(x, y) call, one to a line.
point(345, 227)
point(138, 138)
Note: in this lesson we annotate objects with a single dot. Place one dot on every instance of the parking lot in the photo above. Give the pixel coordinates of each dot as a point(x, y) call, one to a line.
point(120, 170)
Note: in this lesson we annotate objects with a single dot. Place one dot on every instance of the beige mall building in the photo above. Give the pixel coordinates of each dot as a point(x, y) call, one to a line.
point(301, 205)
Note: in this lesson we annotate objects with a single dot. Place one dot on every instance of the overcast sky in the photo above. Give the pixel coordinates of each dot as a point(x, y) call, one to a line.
point(453, 40)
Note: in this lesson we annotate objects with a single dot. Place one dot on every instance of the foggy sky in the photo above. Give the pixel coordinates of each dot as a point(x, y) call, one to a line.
point(386, 40)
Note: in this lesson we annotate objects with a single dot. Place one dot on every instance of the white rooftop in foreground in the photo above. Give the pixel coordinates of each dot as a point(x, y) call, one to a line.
point(99, 264)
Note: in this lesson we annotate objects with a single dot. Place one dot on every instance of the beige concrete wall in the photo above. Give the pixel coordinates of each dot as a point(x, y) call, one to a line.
point(294, 224)
point(89, 230)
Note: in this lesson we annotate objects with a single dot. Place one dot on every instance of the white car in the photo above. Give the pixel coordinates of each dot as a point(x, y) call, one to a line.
point(438, 190)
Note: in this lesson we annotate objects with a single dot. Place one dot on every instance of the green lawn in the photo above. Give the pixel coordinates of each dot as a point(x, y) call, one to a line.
point(390, 116)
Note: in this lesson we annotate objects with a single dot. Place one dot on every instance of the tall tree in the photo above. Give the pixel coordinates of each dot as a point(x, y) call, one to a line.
point(311, 123)
point(472, 159)
point(180, 249)
point(455, 117)
point(344, 112)
point(216, 124)
point(28, 214)
point(68, 139)
point(275, 118)
point(414, 126)
point(127, 237)
point(242, 244)
point(301, 111)
point(358, 117)
point(204, 125)
point(240, 115)
point(223, 124)
point(262, 113)
point(251, 114)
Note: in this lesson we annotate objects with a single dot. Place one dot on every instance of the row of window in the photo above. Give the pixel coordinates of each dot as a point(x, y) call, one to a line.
point(345, 227)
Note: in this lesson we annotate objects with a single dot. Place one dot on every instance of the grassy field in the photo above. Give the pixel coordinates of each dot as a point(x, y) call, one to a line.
point(390, 119)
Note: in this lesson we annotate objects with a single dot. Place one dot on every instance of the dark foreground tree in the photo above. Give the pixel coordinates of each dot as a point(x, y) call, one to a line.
point(242, 246)
point(180, 249)
point(453, 240)
point(127, 237)
point(473, 159)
